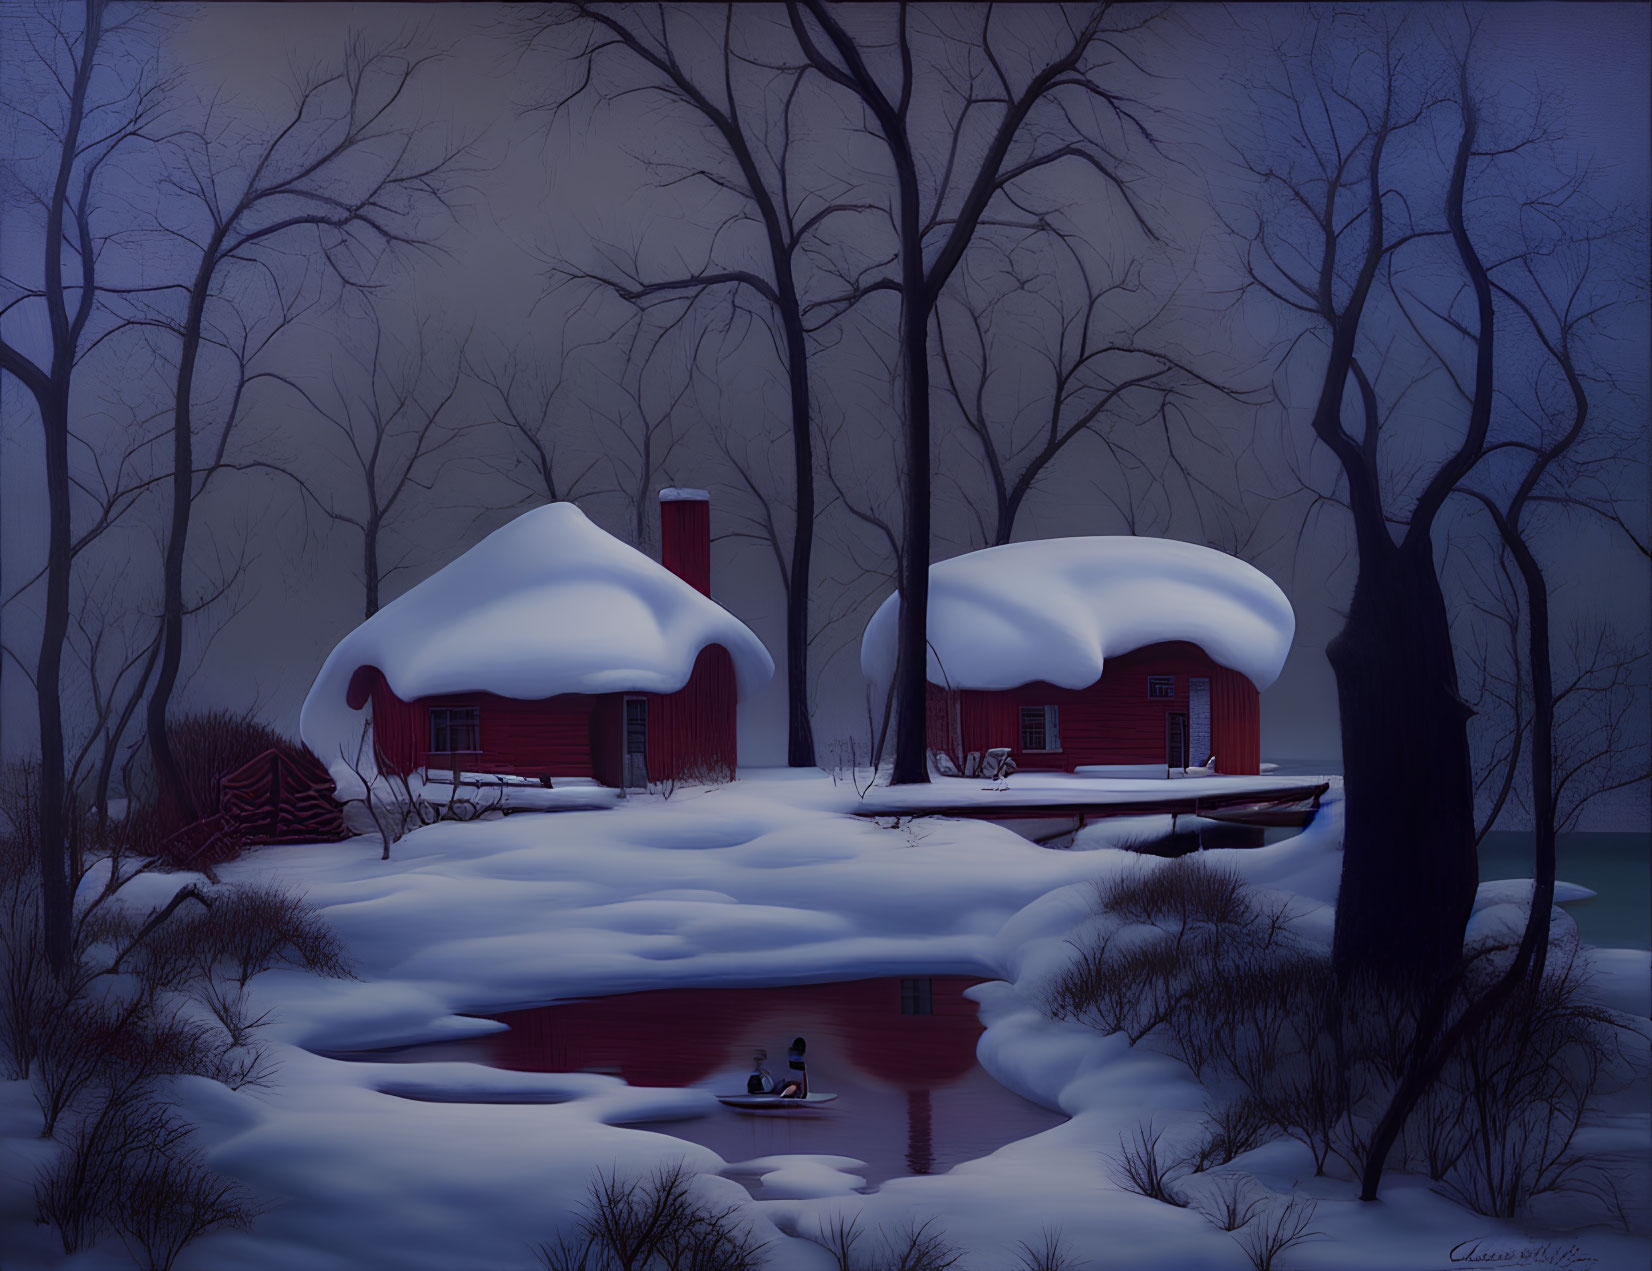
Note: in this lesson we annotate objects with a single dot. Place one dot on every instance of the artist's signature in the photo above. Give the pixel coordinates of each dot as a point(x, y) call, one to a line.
point(1484, 1251)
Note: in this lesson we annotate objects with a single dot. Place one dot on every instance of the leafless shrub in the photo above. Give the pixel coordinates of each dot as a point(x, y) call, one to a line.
point(1521, 1084)
point(1224, 985)
point(1179, 894)
point(1282, 1227)
point(170, 1198)
point(1231, 1129)
point(652, 1223)
point(396, 808)
point(228, 1004)
point(81, 1191)
point(253, 927)
point(1123, 987)
point(1049, 1254)
point(26, 990)
point(1140, 1168)
point(127, 1166)
point(916, 1247)
point(1231, 1202)
point(76, 1046)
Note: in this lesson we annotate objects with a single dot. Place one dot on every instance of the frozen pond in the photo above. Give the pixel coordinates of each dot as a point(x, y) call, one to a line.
point(899, 1054)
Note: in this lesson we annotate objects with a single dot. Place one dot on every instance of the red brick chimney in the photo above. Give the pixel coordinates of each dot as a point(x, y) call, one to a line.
point(685, 536)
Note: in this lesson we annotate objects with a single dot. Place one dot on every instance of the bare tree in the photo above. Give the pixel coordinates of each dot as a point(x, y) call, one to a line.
point(647, 407)
point(391, 408)
point(532, 409)
point(1346, 177)
point(89, 102)
point(343, 174)
point(1007, 108)
point(1107, 372)
point(722, 76)
point(1561, 278)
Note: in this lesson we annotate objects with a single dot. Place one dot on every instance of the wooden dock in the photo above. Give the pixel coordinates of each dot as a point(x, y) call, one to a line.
point(1285, 803)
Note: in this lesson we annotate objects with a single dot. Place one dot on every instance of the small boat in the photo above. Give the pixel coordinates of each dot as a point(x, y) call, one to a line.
point(764, 1101)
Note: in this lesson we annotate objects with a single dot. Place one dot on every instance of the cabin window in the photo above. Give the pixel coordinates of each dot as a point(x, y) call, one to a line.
point(917, 997)
point(455, 729)
point(1161, 686)
point(1040, 728)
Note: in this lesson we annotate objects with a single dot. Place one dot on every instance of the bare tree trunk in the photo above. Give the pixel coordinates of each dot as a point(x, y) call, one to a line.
point(1408, 855)
point(800, 737)
point(370, 564)
point(49, 386)
point(175, 799)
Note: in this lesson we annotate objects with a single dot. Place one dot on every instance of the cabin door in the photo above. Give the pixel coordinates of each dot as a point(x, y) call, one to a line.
point(1175, 741)
point(1198, 720)
point(635, 765)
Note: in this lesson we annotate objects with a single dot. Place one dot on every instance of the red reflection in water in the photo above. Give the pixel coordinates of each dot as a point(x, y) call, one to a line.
point(899, 1054)
point(678, 1037)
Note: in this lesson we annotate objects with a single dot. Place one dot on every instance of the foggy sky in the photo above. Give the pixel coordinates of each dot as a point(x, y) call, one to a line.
point(537, 192)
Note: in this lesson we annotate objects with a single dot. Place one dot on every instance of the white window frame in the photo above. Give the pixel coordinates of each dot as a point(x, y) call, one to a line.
point(1052, 731)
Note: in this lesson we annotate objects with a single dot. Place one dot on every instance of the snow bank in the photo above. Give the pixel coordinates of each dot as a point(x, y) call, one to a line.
point(413, 1166)
point(547, 604)
point(1057, 609)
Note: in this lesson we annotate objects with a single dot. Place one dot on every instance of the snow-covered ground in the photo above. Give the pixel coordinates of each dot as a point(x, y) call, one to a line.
point(761, 882)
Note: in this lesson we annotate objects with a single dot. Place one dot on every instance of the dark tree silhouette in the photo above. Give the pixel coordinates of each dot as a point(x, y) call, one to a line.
point(707, 69)
point(341, 173)
point(1342, 122)
point(1555, 451)
point(391, 406)
point(95, 101)
point(1105, 372)
point(1003, 109)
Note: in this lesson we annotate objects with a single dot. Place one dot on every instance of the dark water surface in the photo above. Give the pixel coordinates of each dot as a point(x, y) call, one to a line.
point(1616, 866)
point(899, 1054)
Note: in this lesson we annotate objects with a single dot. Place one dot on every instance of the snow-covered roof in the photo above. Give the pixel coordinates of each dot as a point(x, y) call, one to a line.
point(547, 604)
point(1055, 610)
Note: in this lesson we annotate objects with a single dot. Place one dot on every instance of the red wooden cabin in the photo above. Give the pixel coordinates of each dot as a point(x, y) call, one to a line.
point(1096, 651)
point(623, 736)
point(1167, 704)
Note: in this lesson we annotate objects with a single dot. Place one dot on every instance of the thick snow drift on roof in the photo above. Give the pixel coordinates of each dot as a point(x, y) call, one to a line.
point(547, 604)
point(1056, 609)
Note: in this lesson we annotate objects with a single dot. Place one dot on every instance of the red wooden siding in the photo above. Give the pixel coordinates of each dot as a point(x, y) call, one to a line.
point(685, 541)
point(1113, 721)
point(691, 731)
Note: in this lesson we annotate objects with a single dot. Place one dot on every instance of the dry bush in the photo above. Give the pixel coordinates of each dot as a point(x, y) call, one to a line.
point(127, 1166)
point(652, 1223)
point(1231, 1129)
point(1180, 894)
point(1282, 1227)
point(26, 988)
point(915, 1247)
point(169, 1198)
point(247, 930)
point(1231, 1202)
point(1224, 985)
point(116, 1044)
point(1141, 1168)
point(1501, 1121)
point(1049, 1254)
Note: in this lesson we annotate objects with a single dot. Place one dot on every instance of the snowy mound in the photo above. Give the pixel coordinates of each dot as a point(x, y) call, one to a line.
point(545, 605)
point(1057, 609)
